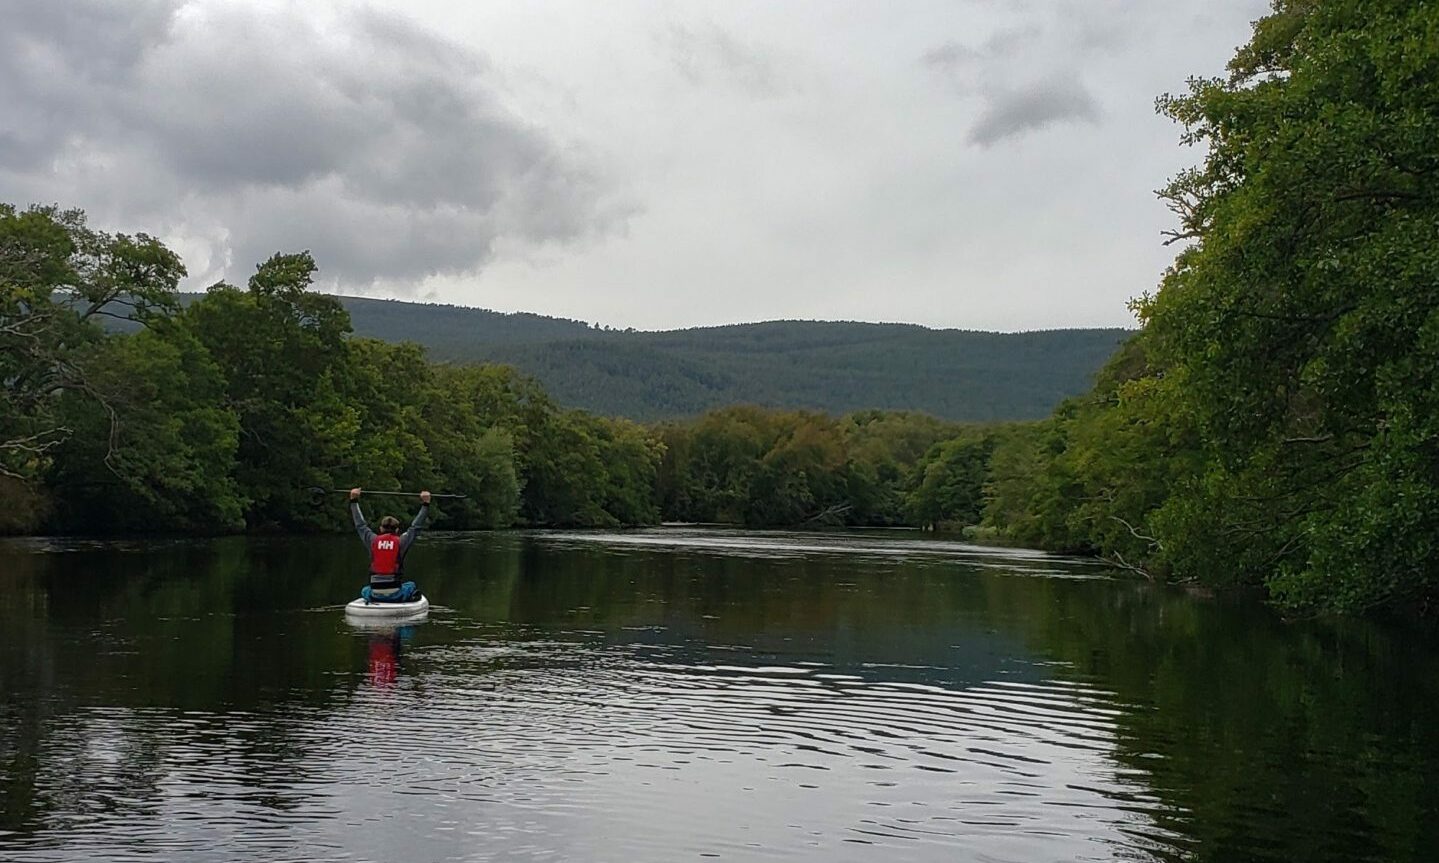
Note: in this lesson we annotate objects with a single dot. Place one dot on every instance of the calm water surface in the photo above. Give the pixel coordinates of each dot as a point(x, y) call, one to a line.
point(681, 694)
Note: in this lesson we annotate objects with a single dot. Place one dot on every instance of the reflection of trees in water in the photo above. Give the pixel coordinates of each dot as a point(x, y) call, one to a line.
point(194, 626)
point(1263, 739)
point(1266, 739)
point(172, 639)
point(27, 665)
point(846, 613)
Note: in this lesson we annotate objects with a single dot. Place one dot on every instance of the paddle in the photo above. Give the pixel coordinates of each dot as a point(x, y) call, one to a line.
point(320, 492)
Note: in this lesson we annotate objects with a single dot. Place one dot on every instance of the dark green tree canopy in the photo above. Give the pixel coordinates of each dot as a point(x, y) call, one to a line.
point(1280, 423)
point(57, 277)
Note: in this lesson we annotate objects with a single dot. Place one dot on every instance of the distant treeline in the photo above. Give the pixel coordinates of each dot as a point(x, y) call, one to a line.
point(222, 413)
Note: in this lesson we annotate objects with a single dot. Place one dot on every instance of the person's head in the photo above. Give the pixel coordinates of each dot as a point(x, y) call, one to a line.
point(389, 524)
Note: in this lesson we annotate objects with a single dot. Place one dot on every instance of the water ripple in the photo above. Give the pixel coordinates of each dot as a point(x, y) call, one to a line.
point(563, 740)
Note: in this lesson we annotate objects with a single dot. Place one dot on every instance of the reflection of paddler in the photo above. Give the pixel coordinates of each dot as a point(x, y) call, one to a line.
point(387, 551)
point(383, 661)
point(384, 666)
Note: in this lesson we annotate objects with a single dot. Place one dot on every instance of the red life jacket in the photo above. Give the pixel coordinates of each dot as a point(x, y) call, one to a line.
point(385, 554)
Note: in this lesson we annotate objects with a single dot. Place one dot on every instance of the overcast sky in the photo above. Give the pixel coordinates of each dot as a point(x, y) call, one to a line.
point(966, 163)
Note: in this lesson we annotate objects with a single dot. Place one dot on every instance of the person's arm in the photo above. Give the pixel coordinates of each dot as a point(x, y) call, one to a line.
point(367, 536)
point(421, 518)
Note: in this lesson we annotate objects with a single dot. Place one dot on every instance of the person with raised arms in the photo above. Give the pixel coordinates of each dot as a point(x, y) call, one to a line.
point(387, 552)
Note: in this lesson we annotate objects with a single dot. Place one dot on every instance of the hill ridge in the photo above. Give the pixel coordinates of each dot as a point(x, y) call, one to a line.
point(835, 366)
point(599, 328)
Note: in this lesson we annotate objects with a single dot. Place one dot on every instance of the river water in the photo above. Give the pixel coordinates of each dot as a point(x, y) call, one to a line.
point(689, 694)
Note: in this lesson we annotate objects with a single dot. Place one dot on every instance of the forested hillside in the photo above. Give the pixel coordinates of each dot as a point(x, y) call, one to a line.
point(451, 332)
point(829, 366)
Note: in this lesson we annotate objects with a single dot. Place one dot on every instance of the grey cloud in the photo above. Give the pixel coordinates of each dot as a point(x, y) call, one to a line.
point(1012, 40)
point(949, 55)
point(989, 66)
point(97, 40)
point(387, 150)
point(1010, 115)
point(55, 60)
point(713, 55)
point(382, 242)
point(1021, 76)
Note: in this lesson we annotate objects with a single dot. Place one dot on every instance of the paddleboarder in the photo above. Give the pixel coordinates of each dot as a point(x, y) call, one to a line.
point(387, 552)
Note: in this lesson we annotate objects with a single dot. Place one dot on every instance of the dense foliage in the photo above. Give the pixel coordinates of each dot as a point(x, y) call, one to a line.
point(1277, 420)
point(57, 278)
point(758, 467)
point(224, 415)
point(224, 412)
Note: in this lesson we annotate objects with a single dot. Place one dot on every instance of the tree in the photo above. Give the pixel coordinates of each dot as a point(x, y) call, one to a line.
point(563, 472)
point(952, 478)
point(282, 351)
point(172, 451)
point(802, 478)
point(884, 448)
point(57, 277)
point(469, 451)
point(1304, 320)
point(725, 447)
point(630, 457)
point(1277, 420)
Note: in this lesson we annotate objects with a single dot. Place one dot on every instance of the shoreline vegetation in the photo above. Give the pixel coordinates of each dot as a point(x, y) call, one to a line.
point(1274, 423)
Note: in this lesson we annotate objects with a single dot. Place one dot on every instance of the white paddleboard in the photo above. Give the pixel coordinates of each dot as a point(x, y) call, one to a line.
point(388, 610)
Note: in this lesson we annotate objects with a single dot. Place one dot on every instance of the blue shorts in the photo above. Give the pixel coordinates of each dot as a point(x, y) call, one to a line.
point(406, 592)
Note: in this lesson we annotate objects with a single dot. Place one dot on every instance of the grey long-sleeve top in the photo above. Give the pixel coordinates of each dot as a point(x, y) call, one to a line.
point(367, 536)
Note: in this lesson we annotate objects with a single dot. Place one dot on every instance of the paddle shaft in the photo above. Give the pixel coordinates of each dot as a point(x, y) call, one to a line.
point(391, 493)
